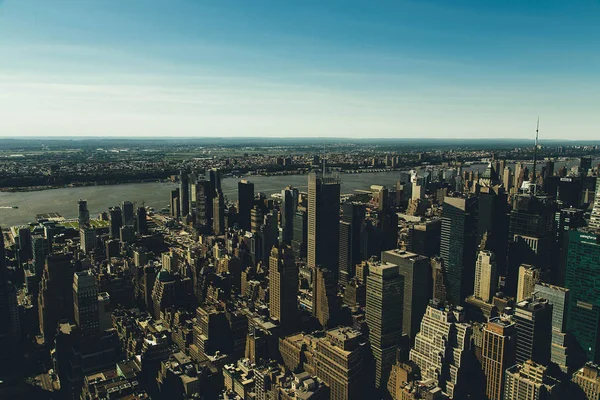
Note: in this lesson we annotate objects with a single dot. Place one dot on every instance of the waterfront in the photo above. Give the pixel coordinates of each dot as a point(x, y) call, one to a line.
point(153, 194)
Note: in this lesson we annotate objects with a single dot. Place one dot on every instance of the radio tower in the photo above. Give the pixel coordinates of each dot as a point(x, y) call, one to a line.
point(534, 178)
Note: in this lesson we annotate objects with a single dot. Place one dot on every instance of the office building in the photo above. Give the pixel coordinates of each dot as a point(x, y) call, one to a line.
point(438, 280)
point(300, 235)
point(184, 193)
point(141, 221)
point(128, 214)
point(415, 270)
point(85, 302)
point(458, 246)
point(595, 217)
point(283, 288)
point(588, 380)
point(289, 205)
point(528, 277)
point(341, 364)
point(559, 297)
point(486, 277)
point(245, 203)
point(497, 354)
point(323, 222)
point(384, 316)
point(115, 218)
point(529, 381)
point(83, 217)
point(584, 309)
point(203, 204)
point(175, 205)
point(533, 321)
point(326, 303)
point(441, 349)
point(353, 215)
point(424, 238)
point(87, 239)
point(218, 214)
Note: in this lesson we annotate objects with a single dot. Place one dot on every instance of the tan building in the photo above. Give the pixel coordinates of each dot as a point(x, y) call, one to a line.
point(528, 381)
point(326, 303)
point(283, 287)
point(528, 277)
point(498, 354)
point(485, 276)
point(588, 379)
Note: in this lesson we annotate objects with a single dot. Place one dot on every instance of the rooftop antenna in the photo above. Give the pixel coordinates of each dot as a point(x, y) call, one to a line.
point(534, 178)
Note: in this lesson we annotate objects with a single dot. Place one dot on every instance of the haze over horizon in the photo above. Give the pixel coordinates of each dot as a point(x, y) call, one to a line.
point(402, 69)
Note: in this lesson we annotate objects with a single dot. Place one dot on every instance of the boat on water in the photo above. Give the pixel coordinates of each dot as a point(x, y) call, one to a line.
point(15, 206)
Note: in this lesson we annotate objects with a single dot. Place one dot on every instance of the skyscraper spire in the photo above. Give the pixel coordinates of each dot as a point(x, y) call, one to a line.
point(534, 178)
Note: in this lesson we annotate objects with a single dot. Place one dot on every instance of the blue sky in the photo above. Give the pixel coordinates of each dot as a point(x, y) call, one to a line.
point(300, 68)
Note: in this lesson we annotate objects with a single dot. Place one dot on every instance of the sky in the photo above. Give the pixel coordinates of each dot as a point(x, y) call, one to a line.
point(291, 68)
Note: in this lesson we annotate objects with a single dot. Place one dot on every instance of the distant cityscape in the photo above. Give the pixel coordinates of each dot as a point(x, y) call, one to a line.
point(453, 283)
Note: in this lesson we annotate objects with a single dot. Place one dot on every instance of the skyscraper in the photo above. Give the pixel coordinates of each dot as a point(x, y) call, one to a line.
point(204, 206)
point(85, 302)
point(458, 246)
point(141, 222)
point(584, 310)
point(528, 277)
point(485, 276)
point(326, 303)
point(245, 203)
point(300, 235)
point(115, 218)
point(414, 269)
point(84, 215)
point(87, 239)
point(588, 379)
point(529, 381)
point(218, 214)
point(498, 353)
point(384, 316)
point(323, 222)
point(184, 193)
point(559, 298)
point(441, 349)
point(174, 204)
point(595, 217)
point(353, 215)
point(283, 288)
point(533, 321)
point(289, 205)
point(128, 215)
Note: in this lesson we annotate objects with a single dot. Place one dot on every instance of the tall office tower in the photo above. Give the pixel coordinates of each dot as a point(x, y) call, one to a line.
point(381, 196)
point(595, 217)
point(559, 298)
point(269, 233)
point(175, 205)
point(498, 353)
point(289, 205)
point(458, 246)
point(353, 215)
point(507, 180)
point(441, 349)
point(214, 177)
point(528, 277)
point(245, 203)
point(486, 277)
point(438, 280)
point(184, 193)
point(323, 222)
point(39, 249)
point(171, 290)
point(219, 214)
point(24, 244)
point(533, 319)
point(588, 380)
point(256, 219)
point(415, 270)
point(584, 309)
point(384, 316)
point(565, 220)
point(492, 217)
point(141, 222)
point(84, 215)
point(530, 238)
point(529, 381)
point(326, 304)
point(585, 164)
point(203, 206)
point(424, 238)
point(85, 302)
point(283, 288)
point(341, 364)
point(87, 239)
point(128, 213)
point(55, 300)
point(116, 222)
point(300, 235)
